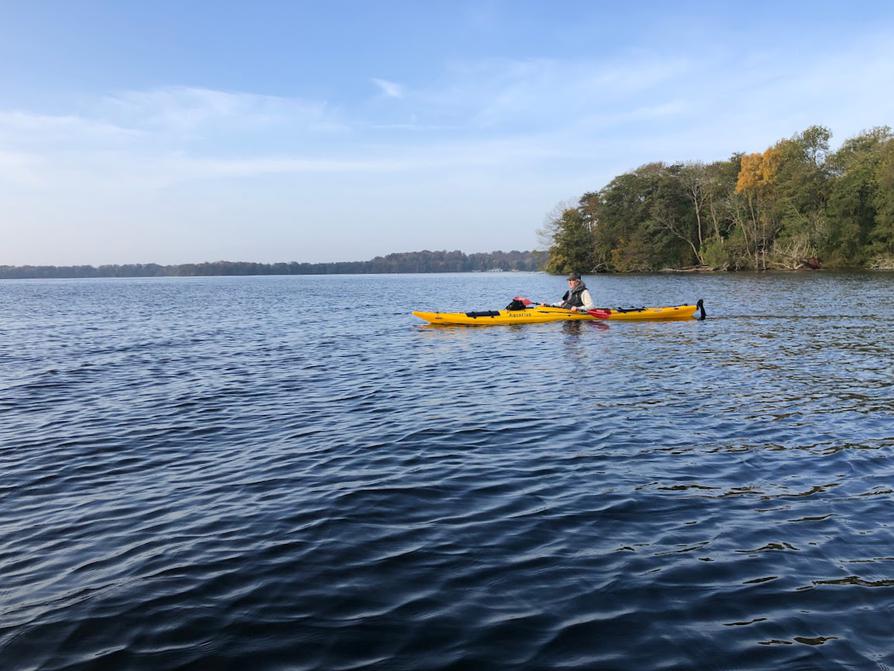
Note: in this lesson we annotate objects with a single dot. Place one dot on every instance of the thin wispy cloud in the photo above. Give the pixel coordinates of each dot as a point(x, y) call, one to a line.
point(506, 95)
point(388, 88)
point(19, 127)
point(186, 109)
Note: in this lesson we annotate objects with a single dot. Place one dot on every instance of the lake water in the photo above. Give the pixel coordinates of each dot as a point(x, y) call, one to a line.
point(295, 473)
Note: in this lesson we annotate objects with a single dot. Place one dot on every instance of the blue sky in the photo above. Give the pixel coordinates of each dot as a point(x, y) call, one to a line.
point(276, 131)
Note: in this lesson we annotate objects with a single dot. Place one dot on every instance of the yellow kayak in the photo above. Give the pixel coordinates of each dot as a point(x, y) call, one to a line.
point(545, 313)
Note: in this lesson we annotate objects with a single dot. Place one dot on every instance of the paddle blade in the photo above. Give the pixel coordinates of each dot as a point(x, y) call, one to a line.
point(599, 313)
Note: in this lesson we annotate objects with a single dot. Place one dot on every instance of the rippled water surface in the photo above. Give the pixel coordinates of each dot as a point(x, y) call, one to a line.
point(295, 473)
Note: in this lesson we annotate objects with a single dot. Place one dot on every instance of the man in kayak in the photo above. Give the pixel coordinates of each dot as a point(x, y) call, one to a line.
point(577, 297)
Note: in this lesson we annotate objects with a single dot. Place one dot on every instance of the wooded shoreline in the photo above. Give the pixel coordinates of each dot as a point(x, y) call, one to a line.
point(794, 205)
point(404, 262)
point(209, 270)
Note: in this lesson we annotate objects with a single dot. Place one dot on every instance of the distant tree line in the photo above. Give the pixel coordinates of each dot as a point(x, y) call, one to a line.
point(794, 205)
point(408, 262)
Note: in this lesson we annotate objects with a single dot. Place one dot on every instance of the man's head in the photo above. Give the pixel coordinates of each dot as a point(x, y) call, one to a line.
point(573, 278)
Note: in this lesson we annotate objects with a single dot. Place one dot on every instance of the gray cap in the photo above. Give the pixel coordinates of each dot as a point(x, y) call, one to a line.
point(573, 276)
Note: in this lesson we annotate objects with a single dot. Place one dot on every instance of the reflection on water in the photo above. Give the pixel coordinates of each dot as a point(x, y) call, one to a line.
point(228, 472)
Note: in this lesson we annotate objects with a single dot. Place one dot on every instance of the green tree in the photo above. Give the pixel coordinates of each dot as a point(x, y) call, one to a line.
point(883, 232)
point(855, 196)
point(572, 246)
point(720, 200)
point(640, 219)
point(674, 216)
point(801, 192)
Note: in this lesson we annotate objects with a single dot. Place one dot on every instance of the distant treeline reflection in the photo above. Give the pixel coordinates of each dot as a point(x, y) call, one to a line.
point(406, 262)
